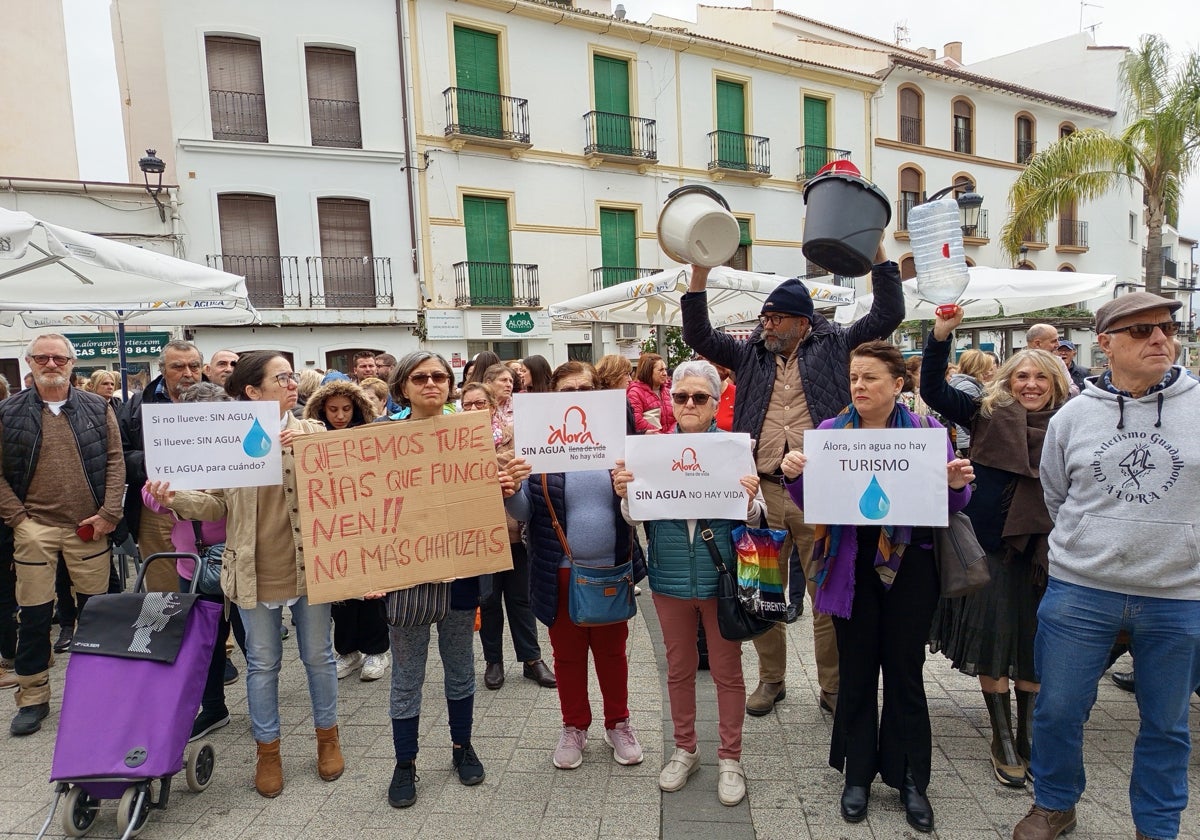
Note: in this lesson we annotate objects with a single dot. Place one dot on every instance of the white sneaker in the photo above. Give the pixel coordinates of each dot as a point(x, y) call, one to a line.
point(375, 666)
point(731, 782)
point(624, 742)
point(679, 769)
point(348, 663)
point(569, 753)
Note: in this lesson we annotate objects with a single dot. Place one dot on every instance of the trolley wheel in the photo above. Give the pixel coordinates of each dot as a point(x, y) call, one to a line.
point(130, 818)
point(198, 764)
point(79, 812)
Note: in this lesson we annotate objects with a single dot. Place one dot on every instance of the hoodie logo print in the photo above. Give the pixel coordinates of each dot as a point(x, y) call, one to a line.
point(1136, 467)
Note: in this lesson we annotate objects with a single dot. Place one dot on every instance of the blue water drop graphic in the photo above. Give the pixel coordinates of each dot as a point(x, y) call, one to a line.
point(256, 443)
point(874, 503)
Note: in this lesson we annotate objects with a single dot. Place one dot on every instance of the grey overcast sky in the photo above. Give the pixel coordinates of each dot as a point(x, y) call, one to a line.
point(986, 29)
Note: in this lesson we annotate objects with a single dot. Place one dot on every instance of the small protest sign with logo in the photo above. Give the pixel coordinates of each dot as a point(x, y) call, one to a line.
point(688, 476)
point(197, 446)
point(570, 431)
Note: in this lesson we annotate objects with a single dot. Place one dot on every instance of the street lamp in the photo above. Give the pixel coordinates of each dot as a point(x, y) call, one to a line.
point(969, 203)
point(152, 164)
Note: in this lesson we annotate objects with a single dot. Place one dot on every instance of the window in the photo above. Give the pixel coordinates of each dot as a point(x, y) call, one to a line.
point(908, 268)
point(618, 246)
point(731, 124)
point(579, 353)
point(1133, 227)
point(816, 135)
point(741, 257)
point(1025, 138)
point(912, 105)
point(237, 100)
point(489, 262)
point(250, 245)
point(912, 193)
point(1065, 130)
point(1066, 267)
point(477, 76)
point(347, 264)
point(611, 78)
point(333, 98)
point(963, 115)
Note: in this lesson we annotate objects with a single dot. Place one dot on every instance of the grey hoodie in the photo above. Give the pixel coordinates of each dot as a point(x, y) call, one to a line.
point(1121, 478)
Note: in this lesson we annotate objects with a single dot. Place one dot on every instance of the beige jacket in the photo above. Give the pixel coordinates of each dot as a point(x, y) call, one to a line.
point(239, 507)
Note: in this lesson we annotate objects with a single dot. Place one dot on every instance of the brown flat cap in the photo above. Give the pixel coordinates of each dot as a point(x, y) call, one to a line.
point(1131, 304)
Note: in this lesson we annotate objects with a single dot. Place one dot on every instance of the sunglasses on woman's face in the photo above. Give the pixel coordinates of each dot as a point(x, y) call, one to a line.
point(698, 399)
point(420, 379)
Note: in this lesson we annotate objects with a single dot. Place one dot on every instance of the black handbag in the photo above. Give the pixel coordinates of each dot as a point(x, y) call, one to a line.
point(961, 560)
point(734, 622)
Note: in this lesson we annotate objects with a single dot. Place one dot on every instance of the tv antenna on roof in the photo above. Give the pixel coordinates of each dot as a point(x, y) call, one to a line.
point(900, 33)
point(1083, 4)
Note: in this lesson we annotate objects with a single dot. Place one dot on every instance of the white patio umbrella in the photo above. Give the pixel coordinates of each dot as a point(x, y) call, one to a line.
point(54, 276)
point(734, 297)
point(992, 291)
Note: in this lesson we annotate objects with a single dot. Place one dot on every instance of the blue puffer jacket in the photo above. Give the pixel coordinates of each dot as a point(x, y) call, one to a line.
point(682, 568)
point(822, 356)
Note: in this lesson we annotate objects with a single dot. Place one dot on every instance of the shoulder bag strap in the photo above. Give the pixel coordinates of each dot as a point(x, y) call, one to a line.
point(200, 545)
point(562, 537)
point(706, 534)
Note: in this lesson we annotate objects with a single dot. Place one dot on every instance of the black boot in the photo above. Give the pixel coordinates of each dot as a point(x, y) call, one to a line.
point(917, 810)
point(1025, 701)
point(1006, 763)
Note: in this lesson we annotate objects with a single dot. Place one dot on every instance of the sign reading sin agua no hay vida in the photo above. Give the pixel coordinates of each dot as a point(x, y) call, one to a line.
point(389, 505)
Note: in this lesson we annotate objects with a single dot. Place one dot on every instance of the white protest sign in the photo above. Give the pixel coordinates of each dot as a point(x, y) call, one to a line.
point(875, 477)
point(212, 445)
point(688, 476)
point(569, 431)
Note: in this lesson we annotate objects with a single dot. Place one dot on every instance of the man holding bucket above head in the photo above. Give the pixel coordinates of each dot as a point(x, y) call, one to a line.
point(792, 373)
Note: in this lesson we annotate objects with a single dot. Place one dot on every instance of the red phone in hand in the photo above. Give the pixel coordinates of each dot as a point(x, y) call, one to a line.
point(86, 532)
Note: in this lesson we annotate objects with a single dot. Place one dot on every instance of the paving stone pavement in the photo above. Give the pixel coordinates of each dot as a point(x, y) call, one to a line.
point(792, 792)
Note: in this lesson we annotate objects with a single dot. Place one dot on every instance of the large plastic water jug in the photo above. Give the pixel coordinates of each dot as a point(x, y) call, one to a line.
point(935, 231)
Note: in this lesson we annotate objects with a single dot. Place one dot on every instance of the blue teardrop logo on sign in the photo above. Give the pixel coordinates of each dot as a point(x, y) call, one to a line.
point(874, 503)
point(256, 443)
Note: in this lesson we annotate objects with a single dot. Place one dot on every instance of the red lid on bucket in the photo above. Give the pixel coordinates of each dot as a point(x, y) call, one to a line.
point(840, 167)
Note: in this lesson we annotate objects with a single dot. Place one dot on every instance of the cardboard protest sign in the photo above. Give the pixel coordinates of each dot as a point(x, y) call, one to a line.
point(389, 505)
point(688, 476)
point(570, 431)
point(198, 446)
point(875, 477)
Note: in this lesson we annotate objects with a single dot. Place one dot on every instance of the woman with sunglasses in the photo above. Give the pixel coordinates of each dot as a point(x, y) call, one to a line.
point(650, 396)
point(990, 634)
point(511, 586)
point(589, 512)
point(421, 382)
point(684, 580)
point(263, 571)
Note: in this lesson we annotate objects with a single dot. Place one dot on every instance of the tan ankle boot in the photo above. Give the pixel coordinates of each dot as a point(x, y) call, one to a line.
point(268, 775)
point(330, 763)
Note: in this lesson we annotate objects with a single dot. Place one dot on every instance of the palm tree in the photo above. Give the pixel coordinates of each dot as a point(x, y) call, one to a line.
point(1157, 151)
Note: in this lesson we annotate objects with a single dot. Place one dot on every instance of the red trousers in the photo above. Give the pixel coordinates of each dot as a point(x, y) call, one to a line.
point(571, 645)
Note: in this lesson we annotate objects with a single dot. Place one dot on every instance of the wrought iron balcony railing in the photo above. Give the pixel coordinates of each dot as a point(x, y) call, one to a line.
point(812, 158)
point(495, 284)
point(487, 115)
point(607, 276)
point(1025, 150)
point(619, 135)
point(1072, 233)
point(979, 230)
point(910, 130)
point(739, 152)
point(238, 116)
point(335, 123)
point(962, 140)
point(272, 282)
point(349, 282)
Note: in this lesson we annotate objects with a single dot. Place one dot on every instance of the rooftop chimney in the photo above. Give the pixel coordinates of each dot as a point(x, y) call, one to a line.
point(954, 50)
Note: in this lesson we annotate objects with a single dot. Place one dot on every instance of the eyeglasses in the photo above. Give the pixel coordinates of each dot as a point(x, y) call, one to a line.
point(45, 359)
point(475, 405)
point(773, 320)
point(697, 399)
point(284, 378)
point(182, 366)
point(422, 379)
point(573, 390)
point(1141, 332)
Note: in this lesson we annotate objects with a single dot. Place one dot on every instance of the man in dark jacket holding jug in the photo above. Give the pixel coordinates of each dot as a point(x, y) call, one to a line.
point(792, 373)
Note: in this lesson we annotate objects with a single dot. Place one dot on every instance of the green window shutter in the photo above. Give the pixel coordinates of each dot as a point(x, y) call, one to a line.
point(816, 135)
point(731, 124)
point(477, 77)
point(612, 104)
point(618, 245)
point(489, 269)
point(744, 230)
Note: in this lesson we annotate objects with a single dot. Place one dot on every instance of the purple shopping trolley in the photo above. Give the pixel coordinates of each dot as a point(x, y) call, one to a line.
point(133, 686)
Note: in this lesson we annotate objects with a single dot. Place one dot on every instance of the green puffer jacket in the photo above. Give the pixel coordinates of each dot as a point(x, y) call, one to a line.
point(681, 568)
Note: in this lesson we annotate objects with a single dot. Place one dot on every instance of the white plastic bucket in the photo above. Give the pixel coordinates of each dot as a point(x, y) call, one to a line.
point(695, 227)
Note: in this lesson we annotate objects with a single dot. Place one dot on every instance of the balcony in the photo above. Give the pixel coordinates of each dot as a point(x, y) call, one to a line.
point(329, 283)
point(974, 233)
point(903, 207)
point(1170, 268)
point(607, 276)
point(1025, 150)
point(978, 231)
point(238, 116)
point(489, 119)
point(335, 123)
point(620, 138)
point(962, 140)
point(910, 130)
point(812, 158)
point(1072, 235)
point(739, 155)
point(495, 284)
point(1034, 240)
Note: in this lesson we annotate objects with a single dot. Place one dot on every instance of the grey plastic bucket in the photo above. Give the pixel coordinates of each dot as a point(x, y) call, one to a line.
point(844, 222)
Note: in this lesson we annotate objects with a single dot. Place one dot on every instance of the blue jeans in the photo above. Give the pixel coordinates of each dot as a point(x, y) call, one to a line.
point(264, 655)
point(1076, 628)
